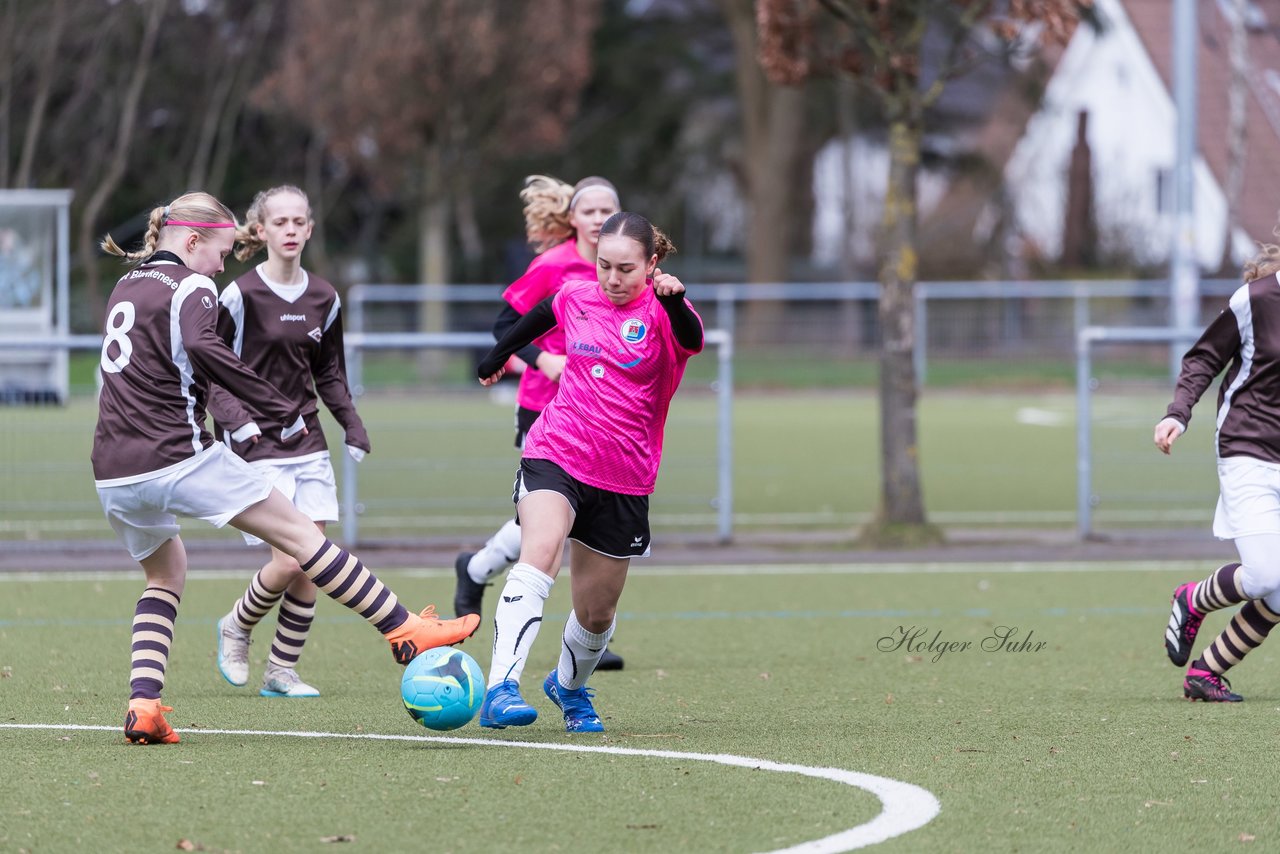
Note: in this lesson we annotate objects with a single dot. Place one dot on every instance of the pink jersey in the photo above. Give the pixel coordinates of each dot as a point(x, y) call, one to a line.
point(546, 274)
point(605, 425)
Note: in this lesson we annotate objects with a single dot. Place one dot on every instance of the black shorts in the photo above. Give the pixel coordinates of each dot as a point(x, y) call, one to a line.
point(524, 423)
point(611, 523)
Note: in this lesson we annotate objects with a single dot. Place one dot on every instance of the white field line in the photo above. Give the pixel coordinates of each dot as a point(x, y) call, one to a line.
point(765, 570)
point(905, 807)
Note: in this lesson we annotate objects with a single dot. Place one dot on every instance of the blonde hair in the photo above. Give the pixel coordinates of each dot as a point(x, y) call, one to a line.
point(1266, 262)
point(189, 207)
point(249, 243)
point(547, 204)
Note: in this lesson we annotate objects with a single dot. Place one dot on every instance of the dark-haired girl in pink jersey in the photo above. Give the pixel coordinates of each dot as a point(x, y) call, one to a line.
point(562, 223)
point(590, 461)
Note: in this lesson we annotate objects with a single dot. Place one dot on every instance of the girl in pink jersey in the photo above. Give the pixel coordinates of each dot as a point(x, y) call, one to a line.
point(563, 223)
point(153, 458)
point(287, 326)
point(590, 461)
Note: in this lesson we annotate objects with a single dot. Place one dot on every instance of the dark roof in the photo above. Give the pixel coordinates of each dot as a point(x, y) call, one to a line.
point(1153, 21)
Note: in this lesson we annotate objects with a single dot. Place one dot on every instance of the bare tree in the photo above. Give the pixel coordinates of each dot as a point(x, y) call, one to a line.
point(45, 73)
point(773, 126)
point(118, 156)
point(880, 43)
point(417, 95)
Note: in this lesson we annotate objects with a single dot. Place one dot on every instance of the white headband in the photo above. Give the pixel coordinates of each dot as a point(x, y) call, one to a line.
point(574, 201)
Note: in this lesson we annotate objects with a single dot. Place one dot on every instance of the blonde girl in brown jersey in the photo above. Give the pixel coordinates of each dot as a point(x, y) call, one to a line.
point(1247, 442)
point(303, 364)
point(153, 459)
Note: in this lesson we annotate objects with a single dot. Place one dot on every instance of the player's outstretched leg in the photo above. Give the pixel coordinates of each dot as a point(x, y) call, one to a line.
point(1192, 601)
point(343, 578)
point(474, 570)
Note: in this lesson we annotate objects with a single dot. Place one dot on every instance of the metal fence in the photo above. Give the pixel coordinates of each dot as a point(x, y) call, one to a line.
point(442, 461)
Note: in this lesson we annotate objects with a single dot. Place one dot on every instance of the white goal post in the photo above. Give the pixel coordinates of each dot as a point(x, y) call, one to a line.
point(1086, 384)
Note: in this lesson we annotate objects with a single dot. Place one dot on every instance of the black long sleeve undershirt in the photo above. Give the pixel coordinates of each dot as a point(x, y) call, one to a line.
point(684, 323)
point(542, 319)
point(507, 318)
point(536, 322)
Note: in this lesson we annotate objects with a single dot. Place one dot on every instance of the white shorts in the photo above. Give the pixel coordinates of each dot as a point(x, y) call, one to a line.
point(1248, 498)
point(217, 487)
point(307, 482)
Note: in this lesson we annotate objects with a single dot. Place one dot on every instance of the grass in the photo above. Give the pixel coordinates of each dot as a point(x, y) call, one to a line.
point(1084, 744)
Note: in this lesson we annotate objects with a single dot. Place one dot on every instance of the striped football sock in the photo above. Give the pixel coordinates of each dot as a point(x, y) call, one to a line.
point(1219, 590)
point(256, 603)
point(292, 627)
point(1245, 633)
point(153, 620)
point(345, 579)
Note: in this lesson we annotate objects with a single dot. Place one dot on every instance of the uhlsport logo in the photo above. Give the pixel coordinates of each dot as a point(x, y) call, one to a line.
point(597, 371)
point(633, 330)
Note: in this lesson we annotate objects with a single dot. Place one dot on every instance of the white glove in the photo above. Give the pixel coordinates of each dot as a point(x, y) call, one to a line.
point(357, 454)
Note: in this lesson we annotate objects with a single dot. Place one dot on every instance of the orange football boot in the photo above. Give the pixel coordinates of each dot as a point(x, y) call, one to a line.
point(425, 631)
point(145, 723)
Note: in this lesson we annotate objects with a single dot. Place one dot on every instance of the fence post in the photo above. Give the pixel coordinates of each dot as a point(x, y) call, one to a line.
point(724, 402)
point(921, 335)
point(1084, 439)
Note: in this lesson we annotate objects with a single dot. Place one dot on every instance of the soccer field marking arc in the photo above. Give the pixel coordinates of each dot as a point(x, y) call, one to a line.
point(905, 806)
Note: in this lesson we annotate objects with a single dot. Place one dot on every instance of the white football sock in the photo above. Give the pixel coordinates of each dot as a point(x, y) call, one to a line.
point(498, 553)
point(516, 621)
point(580, 652)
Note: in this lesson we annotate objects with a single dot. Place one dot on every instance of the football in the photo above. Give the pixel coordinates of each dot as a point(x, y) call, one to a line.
point(442, 688)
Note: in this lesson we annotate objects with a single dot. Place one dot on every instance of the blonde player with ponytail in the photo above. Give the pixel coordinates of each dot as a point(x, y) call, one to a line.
point(153, 459)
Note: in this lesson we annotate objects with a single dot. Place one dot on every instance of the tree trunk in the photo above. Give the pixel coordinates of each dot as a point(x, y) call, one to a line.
point(86, 245)
point(773, 125)
point(902, 502)
point(8, 24)
point(45, 74)
point(433, 252)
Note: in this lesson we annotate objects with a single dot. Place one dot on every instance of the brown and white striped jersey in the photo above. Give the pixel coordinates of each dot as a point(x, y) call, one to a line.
point(292, 336)
point(1245, 340)
point(161, 349)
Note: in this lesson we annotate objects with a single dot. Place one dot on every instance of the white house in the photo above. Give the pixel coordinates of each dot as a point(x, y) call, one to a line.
point(1120, 76)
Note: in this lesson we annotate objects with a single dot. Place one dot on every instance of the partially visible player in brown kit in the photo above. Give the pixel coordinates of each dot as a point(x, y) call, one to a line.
point(1242, 344)
point(153, 459)
point(286, 324)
